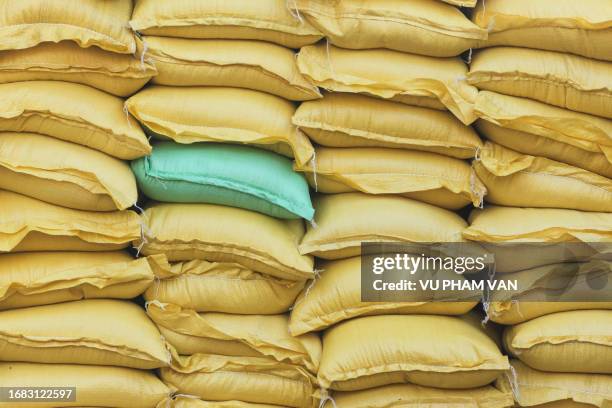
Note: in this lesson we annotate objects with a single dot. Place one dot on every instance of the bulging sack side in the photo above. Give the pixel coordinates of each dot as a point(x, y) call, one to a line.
point(93, 332)
point(349, 120)
point(268, 20)
point(432, 178)
point(408, 78)
point(72, 112)
point(190, 401)
point(29, 225)
point(256, 65)
point(227, 115)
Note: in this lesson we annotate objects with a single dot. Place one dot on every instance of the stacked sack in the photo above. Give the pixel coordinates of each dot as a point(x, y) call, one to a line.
point(545, 106)
point(65, 276)
point(229, 209)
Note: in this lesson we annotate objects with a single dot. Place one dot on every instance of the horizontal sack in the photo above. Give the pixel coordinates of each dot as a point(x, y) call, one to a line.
point(92, 332)
point(268, 20)
point(72, 112)
point(228, 115)
point(95, 386)
point(217, 233)
point(190, 332)
point(578, 341)
point(568, 81)
point(349, 120)
point(100, 23)
point(261, 380)
point(519, 180)
point(64, 173)
point(28, 225)
point(336, 296)
point(432, 178)
point(117, 74)
point(432, 351)
point(558, 25)
point(344, 221)
point(256, 65)
point(222, 287)
point(408, 78)
point(41, 278)
point(461, 3)
point(236, 176)
point(419, 27)
point(190, 401)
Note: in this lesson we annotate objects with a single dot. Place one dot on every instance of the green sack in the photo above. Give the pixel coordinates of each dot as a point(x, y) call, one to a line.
point(224, 174)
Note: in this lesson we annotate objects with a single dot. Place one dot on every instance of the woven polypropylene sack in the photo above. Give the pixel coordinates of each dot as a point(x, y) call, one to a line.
point(189, 401)
point(348, 120)
point(72, 112)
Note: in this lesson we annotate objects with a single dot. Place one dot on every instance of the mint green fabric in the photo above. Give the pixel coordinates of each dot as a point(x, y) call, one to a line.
point(224, 174)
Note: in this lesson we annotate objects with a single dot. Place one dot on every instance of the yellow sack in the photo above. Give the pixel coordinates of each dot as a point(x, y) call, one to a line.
point(192, 402)
point(260, 335)
point(266, 20)
point(222, 287)
point(432, 351)
point(349, 120)
point(100, 23)
point(558, 390)
point(343, 221)
point(94, 331)
point(256, 65)
point(249, 379)
point(419, 26)
point(72, 112)
point(582, 28)
point(569, 81)
point(414, 396)
point(408, 78)
point(28, 225)
point(518, 180)
point(211, 114)
point(96, 386)
point(435, 179)
point(226, 234)
point(461, 3)
point(64, 173)
point(336, 296)
point(40, 278)
point(578, 341)
point(118, 74)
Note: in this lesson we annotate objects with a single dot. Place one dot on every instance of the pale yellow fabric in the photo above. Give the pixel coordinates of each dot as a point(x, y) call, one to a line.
point(262, 335)
point(216, 114)
point(432, 351)
point(343, 221)
point(251, 379)
point(336, 296)
point(461, 3)
point(226, 234)
point(93, 331)
point(578, 341)
point(419, 26)
point(40, 278)
point(100, 23)
point(558, 390)
point(568, 81)
point(64, 173)
point(72, 112)
point(414, 396)
point(97, 386)
point(267, 20)
point(409, 78)
point(118, 74)
point(256, 65)
point(577, 27)
point(192, 402)
point(222, 287)
point(535, 145)
point(27, 224)
point(519, 180)
point(349, 120)
point(435, 179)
